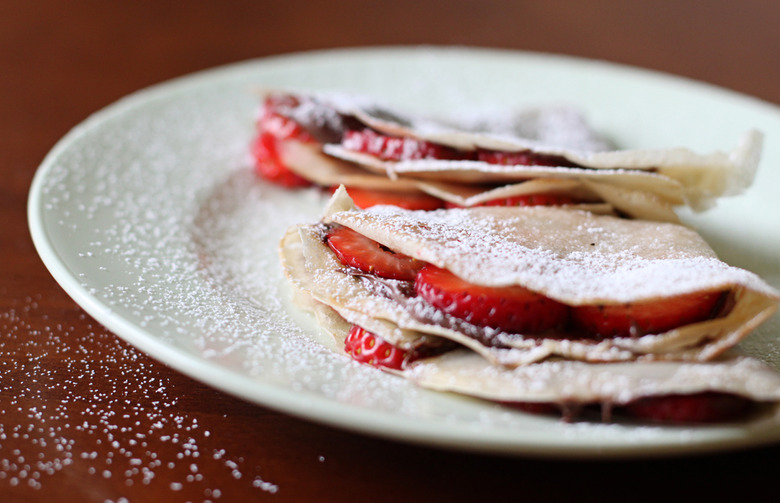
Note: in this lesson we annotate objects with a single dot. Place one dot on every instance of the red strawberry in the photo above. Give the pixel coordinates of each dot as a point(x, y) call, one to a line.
point(281, 126)
point(369, 348)
point(396, 148)
point(274, 128)
point(365, 198)
point(269, 165)
point(358, 251)
point(281, 101)
point(523, 158)
point(513, 309)
point(526, 200)
point(651, 317)
point(705, 407)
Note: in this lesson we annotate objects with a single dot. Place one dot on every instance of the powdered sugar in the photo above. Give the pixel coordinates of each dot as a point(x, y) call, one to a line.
point(571, 256)
point(99, 425)
point(161, 230)
point(553, 125)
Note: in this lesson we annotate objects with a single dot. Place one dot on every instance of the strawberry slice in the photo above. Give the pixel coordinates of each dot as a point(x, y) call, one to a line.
point(275, 123)
point(356, 250)
point(369, 348)
point(512, 309)
point(526, 200)
point(365, 198)
point(273, 129)
point(269, 165)
point(396, 148)
point(523, 158)
point(651, 317)
point(705, 407)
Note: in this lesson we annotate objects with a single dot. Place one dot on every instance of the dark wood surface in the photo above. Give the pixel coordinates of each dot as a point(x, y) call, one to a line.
point(86, 418)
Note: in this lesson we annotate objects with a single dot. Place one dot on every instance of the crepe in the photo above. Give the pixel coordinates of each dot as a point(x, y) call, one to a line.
point(561, 381)
point(573, 257)
point(568, 385)
point(645, 184)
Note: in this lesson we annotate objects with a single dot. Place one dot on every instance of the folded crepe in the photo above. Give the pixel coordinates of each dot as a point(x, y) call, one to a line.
point(572, 256)
point(561, 156)
point(730, 387)
point(575, 258)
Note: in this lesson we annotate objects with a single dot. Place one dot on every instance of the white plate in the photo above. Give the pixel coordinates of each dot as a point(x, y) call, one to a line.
point(148, 215)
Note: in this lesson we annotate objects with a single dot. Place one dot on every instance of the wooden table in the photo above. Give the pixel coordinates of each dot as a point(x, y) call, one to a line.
point(86, 418)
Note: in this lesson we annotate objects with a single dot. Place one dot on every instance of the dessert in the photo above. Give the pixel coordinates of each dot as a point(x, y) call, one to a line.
point(392, 284)
point(518, 285)
point(545, 156)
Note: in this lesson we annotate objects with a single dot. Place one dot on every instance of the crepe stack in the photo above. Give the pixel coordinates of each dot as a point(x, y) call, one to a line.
point(576, 258)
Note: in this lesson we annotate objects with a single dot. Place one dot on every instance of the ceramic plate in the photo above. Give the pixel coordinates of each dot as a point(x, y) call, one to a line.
point(149, 216)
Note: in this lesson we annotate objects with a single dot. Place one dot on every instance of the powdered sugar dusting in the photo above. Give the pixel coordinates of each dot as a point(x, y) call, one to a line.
point(163, 226)
point(551, 126)
point(572, 256)
point(99, 425)
point(560, 125)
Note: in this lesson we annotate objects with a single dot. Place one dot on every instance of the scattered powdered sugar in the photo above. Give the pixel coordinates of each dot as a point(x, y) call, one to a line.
point(157, 219)
point(125, 204)
point(167, 226)
point(98, 425)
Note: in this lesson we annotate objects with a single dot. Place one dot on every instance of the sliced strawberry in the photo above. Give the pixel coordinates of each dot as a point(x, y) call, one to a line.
point(396, 148)
point(281, 101)
point(651, 317)
point(281, 127)
point(365, 198)
point(369, 348)
point(358, 251)
point(523, 158)
point(705, 407)
point(513, 309)
point(526, 200)
point(269, 165)
point(273, 129)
